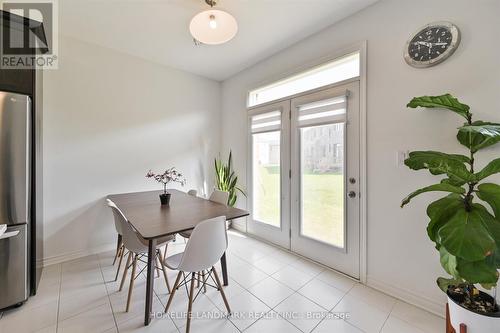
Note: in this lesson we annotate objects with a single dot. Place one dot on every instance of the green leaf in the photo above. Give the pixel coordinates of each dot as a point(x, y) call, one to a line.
point(465, 235)
point(454, 166)
point(446, 101)
point(479, 135)
point(444, 283)
point(481, 271)
point(441, 211)
point(433, 188)
point(492, 168)
point(449, 262)
point(490, 193)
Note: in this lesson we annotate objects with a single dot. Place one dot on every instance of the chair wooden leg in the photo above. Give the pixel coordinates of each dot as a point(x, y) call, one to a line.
point(122, 253)
point(219, 285)
point(164, 270)
point(172, 293)
point(203, 279)
point(165, 251)
point(132, 279)
point(190, 304)
point(129, 258)
point(118, 247)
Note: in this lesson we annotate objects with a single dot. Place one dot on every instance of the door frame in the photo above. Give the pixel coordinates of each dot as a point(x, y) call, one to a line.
point(360, 47)
point(278, 235)
point(347, 258)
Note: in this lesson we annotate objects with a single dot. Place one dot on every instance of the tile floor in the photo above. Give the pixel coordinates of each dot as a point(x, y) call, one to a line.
point(270, 290)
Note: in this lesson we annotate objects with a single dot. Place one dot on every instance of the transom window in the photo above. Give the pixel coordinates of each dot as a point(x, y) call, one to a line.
point(332, 72)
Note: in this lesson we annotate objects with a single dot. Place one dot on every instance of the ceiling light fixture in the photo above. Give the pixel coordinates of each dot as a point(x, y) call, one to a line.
point(213, 27)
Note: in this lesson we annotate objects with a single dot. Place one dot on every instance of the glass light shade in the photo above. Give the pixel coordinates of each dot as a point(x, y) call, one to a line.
point(213, 27)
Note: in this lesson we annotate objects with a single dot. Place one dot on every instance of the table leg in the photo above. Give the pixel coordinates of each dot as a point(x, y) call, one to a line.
point(224, 269)
point(150, 281)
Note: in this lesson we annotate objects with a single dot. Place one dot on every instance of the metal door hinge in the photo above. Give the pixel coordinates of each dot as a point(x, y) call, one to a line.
point(290, 173)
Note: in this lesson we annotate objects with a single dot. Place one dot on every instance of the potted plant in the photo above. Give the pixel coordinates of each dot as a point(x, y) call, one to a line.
point(465, 224)
point(226, 179)
point(170, 175)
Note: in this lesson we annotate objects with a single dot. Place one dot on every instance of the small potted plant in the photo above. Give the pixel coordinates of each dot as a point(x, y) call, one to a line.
point(170, 175)
point(465, 230)
point(227, 180)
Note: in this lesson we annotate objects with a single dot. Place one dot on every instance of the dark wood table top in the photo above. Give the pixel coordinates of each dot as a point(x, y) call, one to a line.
point(152, 220)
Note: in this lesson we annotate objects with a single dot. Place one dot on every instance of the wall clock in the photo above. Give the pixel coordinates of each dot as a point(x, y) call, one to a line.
point(432, 44)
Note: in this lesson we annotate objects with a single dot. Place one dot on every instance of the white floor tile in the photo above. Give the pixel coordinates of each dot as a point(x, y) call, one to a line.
point(292, 277)
point(212, 325)
point(269, 265)
point(337, 326)
point(97, 320)
point(368, 318)
point(336, 280)
point(301, 312)
point(81, 300)
point(272, 323)
point(307, 266)
point(231, 290)
point(246, 309)
point(270, 291)
point(322, 293)
point(157, 325)
point(373, 297)
point(419, 318)
point(27, 320)
point(247, 275)
point(395, 325)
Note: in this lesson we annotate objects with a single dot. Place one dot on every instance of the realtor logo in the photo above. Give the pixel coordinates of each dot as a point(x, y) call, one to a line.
point(28, 34)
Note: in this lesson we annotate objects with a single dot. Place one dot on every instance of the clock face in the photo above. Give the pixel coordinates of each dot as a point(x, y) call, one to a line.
point(432, 44)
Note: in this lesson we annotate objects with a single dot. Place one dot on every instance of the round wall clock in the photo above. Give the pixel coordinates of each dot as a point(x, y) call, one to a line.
point(432, 44)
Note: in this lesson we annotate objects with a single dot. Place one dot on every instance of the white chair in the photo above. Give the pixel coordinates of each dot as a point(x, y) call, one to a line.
point(137, 250)
point(205, 247)
point(217, 196)
point(120, 249)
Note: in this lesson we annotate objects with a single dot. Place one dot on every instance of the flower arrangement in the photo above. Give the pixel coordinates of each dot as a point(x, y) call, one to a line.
point(170, 175)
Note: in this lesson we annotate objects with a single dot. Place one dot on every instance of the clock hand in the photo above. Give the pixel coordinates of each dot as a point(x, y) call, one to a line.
point(438, 44)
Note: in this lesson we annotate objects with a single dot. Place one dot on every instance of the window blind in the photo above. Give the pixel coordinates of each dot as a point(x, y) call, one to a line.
point(265, 122)
point(331, 110)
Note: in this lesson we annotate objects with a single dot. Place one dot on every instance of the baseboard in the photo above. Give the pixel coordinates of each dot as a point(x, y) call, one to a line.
point(60, 258)
point(425, 303)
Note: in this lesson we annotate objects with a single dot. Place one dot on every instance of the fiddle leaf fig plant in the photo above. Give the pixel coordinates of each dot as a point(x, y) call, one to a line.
point(466, 233)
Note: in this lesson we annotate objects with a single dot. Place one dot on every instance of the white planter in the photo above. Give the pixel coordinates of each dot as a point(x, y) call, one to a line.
point(476, 323)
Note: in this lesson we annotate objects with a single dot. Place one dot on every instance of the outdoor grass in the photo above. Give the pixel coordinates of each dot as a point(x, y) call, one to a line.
point(322, 216)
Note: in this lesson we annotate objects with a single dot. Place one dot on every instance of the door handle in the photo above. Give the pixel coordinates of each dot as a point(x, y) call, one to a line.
point(9, 234)
point(351, 194)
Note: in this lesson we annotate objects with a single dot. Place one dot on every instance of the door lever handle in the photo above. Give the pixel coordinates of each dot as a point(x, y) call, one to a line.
point(351, 194)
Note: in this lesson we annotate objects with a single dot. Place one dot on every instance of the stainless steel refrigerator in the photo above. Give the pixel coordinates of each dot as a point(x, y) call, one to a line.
point(15, 196)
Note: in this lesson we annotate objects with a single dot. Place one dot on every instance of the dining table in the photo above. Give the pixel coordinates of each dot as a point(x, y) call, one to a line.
point(153, 220)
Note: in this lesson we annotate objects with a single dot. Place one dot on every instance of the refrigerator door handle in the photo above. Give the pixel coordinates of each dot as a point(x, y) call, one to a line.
point(9, 234)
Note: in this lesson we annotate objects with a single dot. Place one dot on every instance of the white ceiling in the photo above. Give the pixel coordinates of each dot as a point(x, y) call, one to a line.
point(157, 30)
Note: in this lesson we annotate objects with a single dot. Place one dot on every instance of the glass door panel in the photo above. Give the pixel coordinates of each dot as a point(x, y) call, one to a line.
point(266, 172)
point(322, 183)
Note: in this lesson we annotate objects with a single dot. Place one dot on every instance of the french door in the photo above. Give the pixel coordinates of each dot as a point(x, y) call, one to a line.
point(304, 175)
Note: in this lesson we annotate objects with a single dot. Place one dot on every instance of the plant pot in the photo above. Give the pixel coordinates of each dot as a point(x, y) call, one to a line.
point(475, 322)
point(165, 198)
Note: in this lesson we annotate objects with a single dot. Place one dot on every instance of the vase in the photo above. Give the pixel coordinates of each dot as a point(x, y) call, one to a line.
point(165, 198)
point(475, 322)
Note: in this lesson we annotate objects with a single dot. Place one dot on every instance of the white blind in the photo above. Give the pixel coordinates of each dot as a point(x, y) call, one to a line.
point(265, 122)
point(331, 110)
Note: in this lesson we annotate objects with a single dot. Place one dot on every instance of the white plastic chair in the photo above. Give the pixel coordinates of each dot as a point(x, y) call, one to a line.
point(138, 250)
point(217, 196)
point(120, 249)
point(205, 247)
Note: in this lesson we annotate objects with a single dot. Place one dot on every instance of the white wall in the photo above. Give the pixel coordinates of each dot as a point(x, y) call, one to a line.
point(108, 119)
point(401, 260)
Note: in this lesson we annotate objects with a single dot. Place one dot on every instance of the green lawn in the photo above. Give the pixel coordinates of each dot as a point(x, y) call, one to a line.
point(322, 217)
